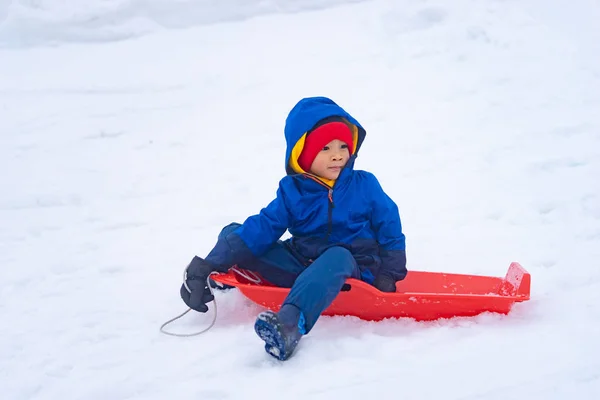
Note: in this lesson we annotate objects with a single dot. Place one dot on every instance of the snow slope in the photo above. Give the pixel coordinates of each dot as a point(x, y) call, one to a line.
point(121, 159)
point(51, 22)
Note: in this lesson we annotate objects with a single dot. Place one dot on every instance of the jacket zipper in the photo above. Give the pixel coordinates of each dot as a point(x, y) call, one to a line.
point(331, 204)
point(330, 213)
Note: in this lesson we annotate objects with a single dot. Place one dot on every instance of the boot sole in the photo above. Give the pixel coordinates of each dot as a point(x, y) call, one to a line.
point(267, 328)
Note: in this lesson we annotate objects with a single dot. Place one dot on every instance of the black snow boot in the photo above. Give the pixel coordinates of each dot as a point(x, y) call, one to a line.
point(281, 331)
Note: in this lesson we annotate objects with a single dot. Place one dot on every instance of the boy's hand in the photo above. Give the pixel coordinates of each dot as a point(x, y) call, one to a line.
point(199, 293)
point(385, 284)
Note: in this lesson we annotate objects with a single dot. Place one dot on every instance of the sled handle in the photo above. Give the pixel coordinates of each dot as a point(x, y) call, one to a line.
point(517, 282)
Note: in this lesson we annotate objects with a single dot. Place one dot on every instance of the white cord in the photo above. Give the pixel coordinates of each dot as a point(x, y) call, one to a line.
point(214, 319)
point(249, 275)
point(244, 273)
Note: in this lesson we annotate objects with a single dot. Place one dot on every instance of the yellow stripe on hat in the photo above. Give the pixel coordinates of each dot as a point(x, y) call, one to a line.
point(354, 130)
point(296, 151)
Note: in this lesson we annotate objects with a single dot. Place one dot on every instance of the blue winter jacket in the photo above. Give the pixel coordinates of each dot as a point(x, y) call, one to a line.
point(355, 213)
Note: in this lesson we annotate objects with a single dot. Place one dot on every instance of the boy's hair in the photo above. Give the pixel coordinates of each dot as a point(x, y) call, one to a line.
point(326, 121)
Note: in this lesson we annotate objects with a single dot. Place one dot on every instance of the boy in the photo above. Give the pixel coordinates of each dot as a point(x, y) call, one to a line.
point(342, 225)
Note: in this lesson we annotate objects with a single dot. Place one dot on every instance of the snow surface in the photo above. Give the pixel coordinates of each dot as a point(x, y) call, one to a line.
point(123, 158)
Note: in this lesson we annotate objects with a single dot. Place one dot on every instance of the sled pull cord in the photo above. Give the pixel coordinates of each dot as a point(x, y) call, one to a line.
point(245, 274)
point(254, 278)
point(214, 319)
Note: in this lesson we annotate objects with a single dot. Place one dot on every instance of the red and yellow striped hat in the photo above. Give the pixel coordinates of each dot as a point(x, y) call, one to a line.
point(319, 137)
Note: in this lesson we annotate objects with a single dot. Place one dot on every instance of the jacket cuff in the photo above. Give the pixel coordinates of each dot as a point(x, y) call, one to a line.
point(393, 264)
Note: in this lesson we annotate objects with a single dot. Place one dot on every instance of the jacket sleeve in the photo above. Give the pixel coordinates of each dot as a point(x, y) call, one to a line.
point(385, 220)
point(254, 237)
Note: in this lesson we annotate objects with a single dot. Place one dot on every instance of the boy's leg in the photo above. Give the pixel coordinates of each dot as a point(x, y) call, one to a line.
point(316, 288)
point(277, 265)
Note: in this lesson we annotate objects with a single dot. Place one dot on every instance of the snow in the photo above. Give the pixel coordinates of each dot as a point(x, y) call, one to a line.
point(50, 22)
point(132, 131)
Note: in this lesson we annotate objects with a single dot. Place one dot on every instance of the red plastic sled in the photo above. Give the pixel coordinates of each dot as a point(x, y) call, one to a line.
point(424, 296)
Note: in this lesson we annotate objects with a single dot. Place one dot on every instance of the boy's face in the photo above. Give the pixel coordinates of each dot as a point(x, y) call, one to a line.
point(330, 160)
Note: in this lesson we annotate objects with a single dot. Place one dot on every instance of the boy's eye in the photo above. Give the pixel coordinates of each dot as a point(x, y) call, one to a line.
point(344, 146)
point(325, 148)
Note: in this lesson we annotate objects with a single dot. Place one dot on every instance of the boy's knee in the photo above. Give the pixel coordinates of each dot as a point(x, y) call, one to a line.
point(338, 251)
point(228, 229)
point(341, 256)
